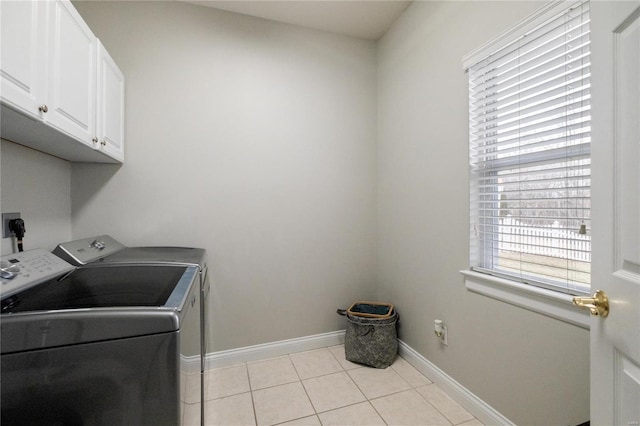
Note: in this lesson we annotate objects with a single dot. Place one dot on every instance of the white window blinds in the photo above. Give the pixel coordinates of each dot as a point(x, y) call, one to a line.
point(530, 112)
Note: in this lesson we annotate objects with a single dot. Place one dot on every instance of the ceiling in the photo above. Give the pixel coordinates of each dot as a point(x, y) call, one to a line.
point(368, 19)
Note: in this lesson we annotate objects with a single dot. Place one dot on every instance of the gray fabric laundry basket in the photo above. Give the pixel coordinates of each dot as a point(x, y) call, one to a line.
point(371, 341)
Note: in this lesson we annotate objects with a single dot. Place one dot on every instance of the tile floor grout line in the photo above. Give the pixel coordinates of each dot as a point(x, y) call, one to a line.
point(442, 412)
point(294, 367)
point(400, 375)
point(315, 410)
point(253, 403)
point(293, 364)
point(381, 396)
point(274, 386)
point(293, 420)
point(341, 407)
point(393, 393)
point(344, 370)
point(377, 412)
point(427, 401)
point(367, 399)
point(436, 408)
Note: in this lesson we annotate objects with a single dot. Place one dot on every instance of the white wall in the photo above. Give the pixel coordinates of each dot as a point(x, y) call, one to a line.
point(531, 368)
point(37, 186)
point(252, 139)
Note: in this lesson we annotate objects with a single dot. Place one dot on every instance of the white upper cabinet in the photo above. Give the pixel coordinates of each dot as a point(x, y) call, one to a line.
point(110, 113)
point(72, 74)
point(61, 91)
point(23, 50)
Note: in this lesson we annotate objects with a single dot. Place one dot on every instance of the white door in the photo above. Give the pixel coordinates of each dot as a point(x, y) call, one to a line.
point(72, 87)
point(110, 109)
point(23, 57)
point(615, 340)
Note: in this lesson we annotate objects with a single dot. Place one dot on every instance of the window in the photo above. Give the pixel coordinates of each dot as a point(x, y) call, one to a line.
point(530, 113)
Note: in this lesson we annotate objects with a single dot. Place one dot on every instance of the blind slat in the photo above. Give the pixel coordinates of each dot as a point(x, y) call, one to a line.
point(557, 93)
point(564, 59)
point(531, 112)
point(537, 37)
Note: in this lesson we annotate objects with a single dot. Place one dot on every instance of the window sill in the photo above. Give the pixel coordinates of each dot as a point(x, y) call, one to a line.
point(547, 302)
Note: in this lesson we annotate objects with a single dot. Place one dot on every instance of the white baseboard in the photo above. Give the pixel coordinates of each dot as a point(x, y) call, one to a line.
point(273, 349)
point(480, 409)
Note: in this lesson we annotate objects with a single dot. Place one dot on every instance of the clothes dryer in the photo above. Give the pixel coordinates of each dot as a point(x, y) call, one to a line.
point(106, 250)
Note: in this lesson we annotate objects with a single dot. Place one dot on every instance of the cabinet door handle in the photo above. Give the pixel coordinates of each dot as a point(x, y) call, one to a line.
point(103, 142)
point(94, 140)
point(43, 108)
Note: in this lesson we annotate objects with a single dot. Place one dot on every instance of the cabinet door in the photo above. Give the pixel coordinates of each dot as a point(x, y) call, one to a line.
point(72, 74)
point(23, 52)
point(110, 107)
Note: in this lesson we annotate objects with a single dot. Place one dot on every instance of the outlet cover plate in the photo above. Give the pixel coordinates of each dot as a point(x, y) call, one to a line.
point(6, 217)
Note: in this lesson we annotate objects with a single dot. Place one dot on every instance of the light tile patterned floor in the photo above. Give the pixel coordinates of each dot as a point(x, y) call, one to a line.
point(321, 387)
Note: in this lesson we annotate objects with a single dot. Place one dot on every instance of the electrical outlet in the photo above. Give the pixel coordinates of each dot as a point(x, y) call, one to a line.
point(6, 217)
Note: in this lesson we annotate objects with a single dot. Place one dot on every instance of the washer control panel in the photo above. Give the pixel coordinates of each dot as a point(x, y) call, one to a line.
point(87, 250)
point(19, 271)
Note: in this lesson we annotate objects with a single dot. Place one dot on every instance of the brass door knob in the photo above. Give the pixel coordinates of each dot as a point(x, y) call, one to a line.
point(598, 305)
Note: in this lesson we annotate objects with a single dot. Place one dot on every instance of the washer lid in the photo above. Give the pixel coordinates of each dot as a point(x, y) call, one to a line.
point(170, 255)
point(106, 287)
point(93, 304)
